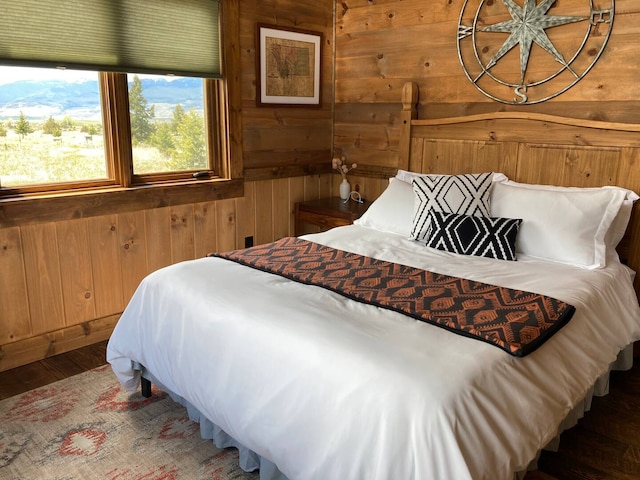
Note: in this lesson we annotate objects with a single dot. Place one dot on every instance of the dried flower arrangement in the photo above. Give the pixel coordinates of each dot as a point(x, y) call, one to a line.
point(339, 164)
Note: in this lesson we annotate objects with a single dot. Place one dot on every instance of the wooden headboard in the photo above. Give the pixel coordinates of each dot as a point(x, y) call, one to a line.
point(530, 148)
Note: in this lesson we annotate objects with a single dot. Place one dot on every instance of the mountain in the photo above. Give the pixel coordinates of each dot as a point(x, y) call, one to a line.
point(40, 100)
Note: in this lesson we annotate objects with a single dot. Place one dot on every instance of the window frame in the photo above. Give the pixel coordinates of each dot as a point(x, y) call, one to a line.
point(117, 123)
point(123, 191)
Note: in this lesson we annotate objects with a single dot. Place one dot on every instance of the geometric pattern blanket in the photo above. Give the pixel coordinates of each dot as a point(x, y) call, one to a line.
point(516, 321)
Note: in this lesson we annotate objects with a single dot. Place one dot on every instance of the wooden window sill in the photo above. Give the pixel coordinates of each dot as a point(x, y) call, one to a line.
point(68, 205)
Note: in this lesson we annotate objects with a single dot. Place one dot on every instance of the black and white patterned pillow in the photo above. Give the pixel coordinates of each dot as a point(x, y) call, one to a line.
point(469, 235)
point(462, 194)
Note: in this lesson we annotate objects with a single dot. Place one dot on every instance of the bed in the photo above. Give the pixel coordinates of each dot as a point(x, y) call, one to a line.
point(309, 382)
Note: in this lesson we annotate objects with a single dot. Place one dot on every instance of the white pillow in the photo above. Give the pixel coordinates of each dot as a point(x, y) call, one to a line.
point(461, 194)
point(407, 176)
point(392, 211)
point(619, 225)
point(564, 224)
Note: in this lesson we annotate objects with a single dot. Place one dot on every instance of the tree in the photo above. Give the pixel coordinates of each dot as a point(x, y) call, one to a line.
point(51, 127)
point(67, 123)
point(191, 149)
point(23, 127)
point(141, 115)
point(178, 116)
point(90, 128)
point(162, 139)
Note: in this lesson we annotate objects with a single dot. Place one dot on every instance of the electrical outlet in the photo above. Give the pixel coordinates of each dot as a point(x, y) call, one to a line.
point(248, 242)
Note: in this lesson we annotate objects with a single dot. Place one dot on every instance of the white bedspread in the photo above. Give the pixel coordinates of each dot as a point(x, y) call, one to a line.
point(328, 388)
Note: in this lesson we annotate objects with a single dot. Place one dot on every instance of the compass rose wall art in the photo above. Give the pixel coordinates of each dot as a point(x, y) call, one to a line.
point(527, 51)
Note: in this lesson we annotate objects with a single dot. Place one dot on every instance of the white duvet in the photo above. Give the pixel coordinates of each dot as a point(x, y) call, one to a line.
point(327, 388)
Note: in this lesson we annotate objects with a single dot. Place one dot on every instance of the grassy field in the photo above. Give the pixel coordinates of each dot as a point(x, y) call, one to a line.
point(42, 158)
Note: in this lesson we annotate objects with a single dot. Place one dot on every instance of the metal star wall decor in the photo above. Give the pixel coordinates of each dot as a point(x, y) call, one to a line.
point(564, 44)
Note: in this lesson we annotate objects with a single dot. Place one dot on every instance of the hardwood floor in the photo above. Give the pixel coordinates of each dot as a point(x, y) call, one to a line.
point(52, 369)
point(606, 442)
point(605, 445)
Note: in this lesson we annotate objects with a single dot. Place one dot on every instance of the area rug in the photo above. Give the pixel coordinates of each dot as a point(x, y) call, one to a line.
point(87, 427)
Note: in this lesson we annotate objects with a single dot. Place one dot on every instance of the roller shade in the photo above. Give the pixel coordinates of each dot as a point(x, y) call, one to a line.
point(179, 37)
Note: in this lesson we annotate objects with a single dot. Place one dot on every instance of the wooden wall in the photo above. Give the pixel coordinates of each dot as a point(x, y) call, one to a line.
point(383, 44)
point(63, 284)
point(286, 141)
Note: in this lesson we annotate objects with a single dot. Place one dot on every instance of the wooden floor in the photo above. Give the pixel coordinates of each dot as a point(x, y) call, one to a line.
point(52, 369)
point(605, 445)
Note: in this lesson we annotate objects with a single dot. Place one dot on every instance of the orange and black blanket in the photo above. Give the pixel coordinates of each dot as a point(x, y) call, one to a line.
point(516, 321)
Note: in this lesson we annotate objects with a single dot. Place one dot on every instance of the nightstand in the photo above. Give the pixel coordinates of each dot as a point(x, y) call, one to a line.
point(327, 213)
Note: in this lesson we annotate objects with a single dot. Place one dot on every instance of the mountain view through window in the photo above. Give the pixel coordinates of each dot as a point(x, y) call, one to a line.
point(52, 131)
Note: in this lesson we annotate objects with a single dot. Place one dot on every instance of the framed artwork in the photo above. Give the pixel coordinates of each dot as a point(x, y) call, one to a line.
point(288, 67)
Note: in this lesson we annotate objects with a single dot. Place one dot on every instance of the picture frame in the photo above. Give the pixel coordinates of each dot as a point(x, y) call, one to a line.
point(289, 66)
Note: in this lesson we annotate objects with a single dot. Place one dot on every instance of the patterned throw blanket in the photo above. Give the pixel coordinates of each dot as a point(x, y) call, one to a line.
point(514, 320)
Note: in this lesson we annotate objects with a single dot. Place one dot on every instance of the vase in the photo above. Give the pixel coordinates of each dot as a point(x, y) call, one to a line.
point(345, 189)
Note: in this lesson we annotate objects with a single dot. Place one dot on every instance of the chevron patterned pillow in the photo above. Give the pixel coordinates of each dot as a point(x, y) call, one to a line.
point(460, 194)
point(469, 235)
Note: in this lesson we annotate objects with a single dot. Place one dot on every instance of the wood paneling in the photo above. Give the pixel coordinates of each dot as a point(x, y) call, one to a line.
point(14, 302)
point(81, 273)
point(182, 233)
point(46, 345)
point(44, 286)
point(246, 214)
point(285, 141)
point(76, 273)
point(530, 148)
point(158, 242)
point(133, 255)
point(70, 264)
point(381, 45)
point(284, 154)
point(205, 228)
point(226, 221)
point(105, 265)
point(264, 211)
point(282, 206)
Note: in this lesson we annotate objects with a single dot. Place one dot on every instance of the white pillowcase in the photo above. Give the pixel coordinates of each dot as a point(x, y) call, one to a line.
point(392, 211)
point(565, 224)
point(619, 225)
point(407, 176)
point(578, 226)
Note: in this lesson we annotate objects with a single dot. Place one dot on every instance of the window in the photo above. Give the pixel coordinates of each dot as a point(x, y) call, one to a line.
point(167, 124)
point(51, 128)
point(53, 135)
point(71, 118)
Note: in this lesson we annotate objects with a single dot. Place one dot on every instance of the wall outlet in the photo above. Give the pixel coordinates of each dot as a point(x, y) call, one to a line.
point(248, 242)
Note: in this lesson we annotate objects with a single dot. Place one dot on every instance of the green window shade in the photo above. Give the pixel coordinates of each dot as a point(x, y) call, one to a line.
point(179, 37)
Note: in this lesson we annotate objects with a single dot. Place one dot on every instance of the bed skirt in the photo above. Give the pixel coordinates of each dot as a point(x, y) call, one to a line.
point(250, 461)
point(599, 389)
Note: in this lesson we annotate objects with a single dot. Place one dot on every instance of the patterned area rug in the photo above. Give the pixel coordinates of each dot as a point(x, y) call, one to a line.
point(86, 427)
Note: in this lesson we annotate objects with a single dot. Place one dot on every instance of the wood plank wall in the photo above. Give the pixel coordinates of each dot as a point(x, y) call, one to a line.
point(285, 141)
point(64, 284)
point(383, 44)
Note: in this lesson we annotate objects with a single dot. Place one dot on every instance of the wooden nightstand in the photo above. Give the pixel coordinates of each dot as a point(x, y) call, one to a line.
point(327, 213)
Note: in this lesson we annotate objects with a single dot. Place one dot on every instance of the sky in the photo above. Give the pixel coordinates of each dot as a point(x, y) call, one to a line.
point(15, 74)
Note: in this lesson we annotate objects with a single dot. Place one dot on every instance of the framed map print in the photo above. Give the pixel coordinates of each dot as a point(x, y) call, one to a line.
point(288, 67)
